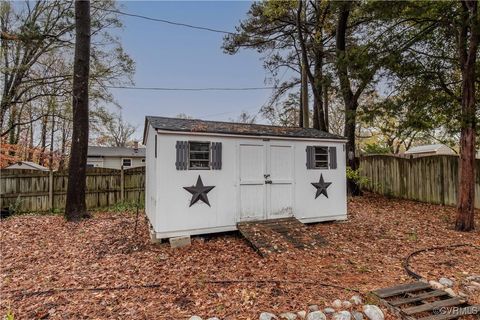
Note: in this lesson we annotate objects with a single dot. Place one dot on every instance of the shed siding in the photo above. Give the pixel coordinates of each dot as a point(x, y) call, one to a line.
point(173, 210)
point(151, 177)
point(309, 209)
point(167, 203)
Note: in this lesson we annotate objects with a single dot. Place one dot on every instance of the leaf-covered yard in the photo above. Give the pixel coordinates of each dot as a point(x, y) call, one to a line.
point(40, 253)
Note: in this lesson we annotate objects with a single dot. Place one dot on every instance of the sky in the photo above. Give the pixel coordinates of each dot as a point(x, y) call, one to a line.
point(174, 56)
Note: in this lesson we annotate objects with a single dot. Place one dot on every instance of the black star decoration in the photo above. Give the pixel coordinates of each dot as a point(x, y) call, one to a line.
point(321, 187)
point(199, 192)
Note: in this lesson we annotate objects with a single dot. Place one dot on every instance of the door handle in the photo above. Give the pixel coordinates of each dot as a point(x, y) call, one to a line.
point(266, 176)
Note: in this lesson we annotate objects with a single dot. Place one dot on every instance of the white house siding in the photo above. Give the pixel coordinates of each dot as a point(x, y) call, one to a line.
point(114, 162)
point(172, 215)
point(96, 162)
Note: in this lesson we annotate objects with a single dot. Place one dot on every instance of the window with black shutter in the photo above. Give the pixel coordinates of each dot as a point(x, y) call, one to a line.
point(198, 155)
point(321, 157)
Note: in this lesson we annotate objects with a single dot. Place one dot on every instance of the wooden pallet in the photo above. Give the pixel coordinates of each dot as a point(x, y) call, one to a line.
point(419, 301)
point(278, 235)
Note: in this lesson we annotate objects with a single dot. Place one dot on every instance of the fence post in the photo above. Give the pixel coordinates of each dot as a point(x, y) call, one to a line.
point(50, 189)
point(122, 183)
point(442, 179)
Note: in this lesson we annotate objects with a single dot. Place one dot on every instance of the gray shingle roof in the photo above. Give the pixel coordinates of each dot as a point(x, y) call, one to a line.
point(27, 165)
point(425, 148)
point(196, 125)
point(95, 151)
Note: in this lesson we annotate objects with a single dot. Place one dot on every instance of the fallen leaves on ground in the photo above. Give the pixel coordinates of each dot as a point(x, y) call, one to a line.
point(366, 252)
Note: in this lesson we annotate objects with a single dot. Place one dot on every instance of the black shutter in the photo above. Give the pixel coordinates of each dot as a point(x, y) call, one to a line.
point(177, 157)
point(181, 148)
point(310, 157)
point(333, 157)
point(185, 155)
point(212, 155)
point(216, 156)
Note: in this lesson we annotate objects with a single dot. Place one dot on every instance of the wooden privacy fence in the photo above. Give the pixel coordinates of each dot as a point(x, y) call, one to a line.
point(432, 179)
point(37, 191)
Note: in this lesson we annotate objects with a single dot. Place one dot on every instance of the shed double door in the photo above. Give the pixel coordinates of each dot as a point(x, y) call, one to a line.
point(266, 180)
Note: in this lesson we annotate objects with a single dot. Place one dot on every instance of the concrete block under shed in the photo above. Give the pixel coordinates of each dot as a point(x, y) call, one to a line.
point(153, 237)
point(180, 242)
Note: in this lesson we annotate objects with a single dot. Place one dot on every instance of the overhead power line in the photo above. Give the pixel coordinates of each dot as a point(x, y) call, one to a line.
point(166, 21)
point(191, 89)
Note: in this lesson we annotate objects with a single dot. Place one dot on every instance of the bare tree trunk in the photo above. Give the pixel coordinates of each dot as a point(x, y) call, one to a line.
point(76, 208)
point(305, 111)
point(43, 139)
point(350, 99)
point(318, 114)
point(52, 135)
point(11, 121)
point(313, 79)
point(325, 106)
point(466, 191)
point(319, 119)
point(30, 140)
point(468, 39)
point(300, 110)
point(63, 148)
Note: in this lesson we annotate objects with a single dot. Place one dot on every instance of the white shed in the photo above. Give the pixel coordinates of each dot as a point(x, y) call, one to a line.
point(207, 176)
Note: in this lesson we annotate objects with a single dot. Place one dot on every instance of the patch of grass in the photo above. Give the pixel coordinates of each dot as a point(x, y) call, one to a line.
point(9, 315)
point(446, 218)
point(389, 194)
point(54, 212)
point(363, 269)
point(370, 298)
point(413, 236)
point(124, 206)
point(58, 211)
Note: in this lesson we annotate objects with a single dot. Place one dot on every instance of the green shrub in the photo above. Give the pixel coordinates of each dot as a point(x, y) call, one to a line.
point(355, 176)
point(14, 207)
point(375, 148)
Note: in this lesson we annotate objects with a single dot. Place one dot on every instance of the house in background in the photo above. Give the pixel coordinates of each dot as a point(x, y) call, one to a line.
point(429, 150)
point(27, 165)
point(115, 157)
point(207, 176)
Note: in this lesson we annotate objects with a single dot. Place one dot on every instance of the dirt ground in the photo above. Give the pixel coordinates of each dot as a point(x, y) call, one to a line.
point(41, 253)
